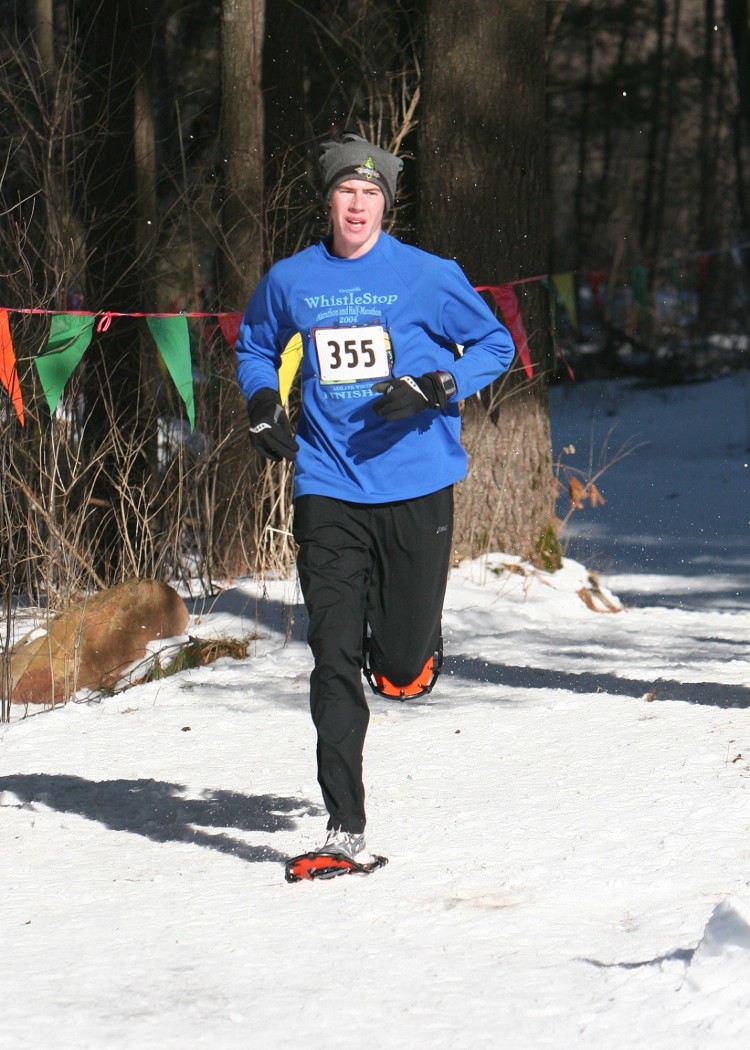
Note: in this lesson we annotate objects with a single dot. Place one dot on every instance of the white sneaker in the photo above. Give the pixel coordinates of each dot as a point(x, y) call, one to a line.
point(347, 844)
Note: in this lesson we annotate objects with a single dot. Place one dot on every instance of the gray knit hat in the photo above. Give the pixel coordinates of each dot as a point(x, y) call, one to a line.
point(356, 158)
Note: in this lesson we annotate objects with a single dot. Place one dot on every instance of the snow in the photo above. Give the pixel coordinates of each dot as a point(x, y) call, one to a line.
point(566, 815)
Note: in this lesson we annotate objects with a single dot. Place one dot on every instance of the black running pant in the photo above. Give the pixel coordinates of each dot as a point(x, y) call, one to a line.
point(385, 565)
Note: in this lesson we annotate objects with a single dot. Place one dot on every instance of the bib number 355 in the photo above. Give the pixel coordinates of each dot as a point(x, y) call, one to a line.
point(351, 355)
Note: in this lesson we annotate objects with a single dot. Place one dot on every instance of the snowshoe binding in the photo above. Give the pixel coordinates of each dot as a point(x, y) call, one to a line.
point(342, 853)
point(328, 866)
point(421, 686)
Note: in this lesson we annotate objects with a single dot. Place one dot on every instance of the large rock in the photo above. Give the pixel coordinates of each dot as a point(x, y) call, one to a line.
point(91, 644)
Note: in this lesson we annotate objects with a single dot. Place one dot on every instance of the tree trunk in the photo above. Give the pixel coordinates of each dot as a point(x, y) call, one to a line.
point(647, 218)
point(44, 37)
point(737, 13)
point(483, 199)
point(286, 197)
point(582, 187)
point(669, 116)
point(708, 164)
point(604, 192)
point(118, 397)
point(242, 222)
point(242, 29)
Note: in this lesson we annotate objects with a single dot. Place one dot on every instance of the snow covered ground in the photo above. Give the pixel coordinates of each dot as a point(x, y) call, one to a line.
point(566, 816)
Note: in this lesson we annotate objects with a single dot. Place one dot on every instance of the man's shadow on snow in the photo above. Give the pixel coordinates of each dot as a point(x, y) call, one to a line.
point(158, 811)
point(712, 693)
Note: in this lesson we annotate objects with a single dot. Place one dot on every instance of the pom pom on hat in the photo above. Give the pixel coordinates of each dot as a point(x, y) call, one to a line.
point(356, 158)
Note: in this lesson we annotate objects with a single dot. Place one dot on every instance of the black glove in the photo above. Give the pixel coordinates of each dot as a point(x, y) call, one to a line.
point(408, 395)
point(270, 433)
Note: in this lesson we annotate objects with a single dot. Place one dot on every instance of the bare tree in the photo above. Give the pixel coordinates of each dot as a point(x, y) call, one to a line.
point(483, 199)
point(287, 195)
point(242, 257)
point(242, 123)
point(737, 13)
point(119, 197)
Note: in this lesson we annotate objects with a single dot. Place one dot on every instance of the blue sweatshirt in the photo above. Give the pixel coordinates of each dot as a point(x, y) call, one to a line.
point(395, 311)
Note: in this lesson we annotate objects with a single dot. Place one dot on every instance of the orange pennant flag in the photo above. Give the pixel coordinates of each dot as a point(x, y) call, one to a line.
point(8, 371)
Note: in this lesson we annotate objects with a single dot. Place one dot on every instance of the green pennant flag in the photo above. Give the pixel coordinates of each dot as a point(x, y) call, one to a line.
point(69, 336)
point(565, 286)
point(553, 308)
point(173, 340)
point(638, 279)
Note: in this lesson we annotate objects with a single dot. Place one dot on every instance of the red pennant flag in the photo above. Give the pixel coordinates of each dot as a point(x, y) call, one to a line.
point(230, 326)
point(595, 281)
point(8, 371)
point(507, 300)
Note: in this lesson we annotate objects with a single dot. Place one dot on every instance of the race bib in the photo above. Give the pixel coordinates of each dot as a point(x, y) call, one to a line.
point(352, 355)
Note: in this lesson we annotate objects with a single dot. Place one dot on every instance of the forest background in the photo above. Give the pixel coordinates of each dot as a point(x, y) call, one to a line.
point(590, 155)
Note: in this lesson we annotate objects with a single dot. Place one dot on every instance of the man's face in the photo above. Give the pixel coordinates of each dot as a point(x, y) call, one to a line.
point(356, 209)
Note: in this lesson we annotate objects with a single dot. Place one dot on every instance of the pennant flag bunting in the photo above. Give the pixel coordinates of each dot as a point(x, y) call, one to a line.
point(506, 298)
point(596, 279)
point(70, 333)
point(553, 311)
point(8, 370)
point(68, 339)
point(230, 327)
point(173, 340)
point(638, 280)
point(553, 306)
point(565, 287)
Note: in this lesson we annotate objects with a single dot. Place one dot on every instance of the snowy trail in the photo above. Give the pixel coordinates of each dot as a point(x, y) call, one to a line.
point(569, 859)
point(548, 848)
point(676, 527)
